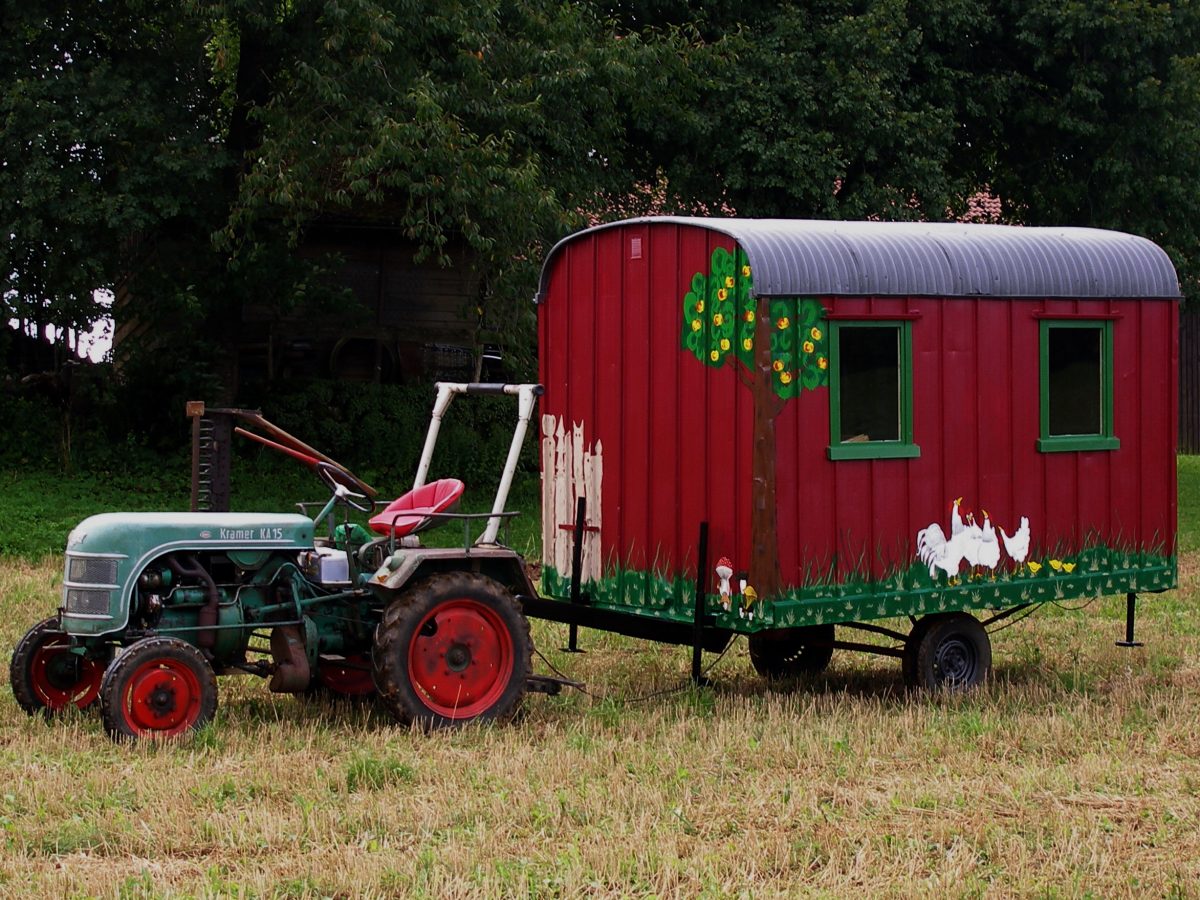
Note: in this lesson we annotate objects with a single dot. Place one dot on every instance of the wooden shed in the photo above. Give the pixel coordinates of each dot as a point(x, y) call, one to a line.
point(821, 393)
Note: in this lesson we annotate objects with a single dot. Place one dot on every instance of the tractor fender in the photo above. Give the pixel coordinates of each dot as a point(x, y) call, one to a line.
point(408, 564)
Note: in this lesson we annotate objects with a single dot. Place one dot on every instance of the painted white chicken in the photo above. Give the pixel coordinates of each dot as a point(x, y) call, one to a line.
point(989, 547)
point(934, 548)
point(972, 540)
point(1017, 545)
point(938, 552)
point(956, 521)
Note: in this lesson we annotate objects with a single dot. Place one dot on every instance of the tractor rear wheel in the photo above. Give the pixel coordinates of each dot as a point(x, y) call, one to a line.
point(47, 677)
point(953, 653)
point(788, 652)
point(453, 649)
point(160, 687)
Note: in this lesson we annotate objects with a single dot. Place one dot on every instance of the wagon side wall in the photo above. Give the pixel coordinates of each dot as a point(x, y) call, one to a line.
point(975, 385)
point(657, 440)
point(672, 436)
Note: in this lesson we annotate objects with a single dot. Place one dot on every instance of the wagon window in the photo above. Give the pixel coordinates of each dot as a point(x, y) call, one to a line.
point(1076, 386)
point(870, 391)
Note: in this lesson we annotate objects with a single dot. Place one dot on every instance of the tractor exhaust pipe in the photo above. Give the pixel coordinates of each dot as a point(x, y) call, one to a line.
point(292, 673)
point(206, 638)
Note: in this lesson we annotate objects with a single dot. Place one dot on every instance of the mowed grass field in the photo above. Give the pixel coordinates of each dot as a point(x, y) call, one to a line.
point(1074, 773)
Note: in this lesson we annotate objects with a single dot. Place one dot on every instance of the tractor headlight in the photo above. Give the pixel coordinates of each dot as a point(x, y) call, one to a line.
point(89, 583)
point(87, 602)
point(92, 570)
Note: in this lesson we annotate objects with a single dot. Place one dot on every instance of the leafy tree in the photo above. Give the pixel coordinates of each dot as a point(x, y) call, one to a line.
point(780, 348)
point(106, 137)
point(1096, 119)
point(188, 146)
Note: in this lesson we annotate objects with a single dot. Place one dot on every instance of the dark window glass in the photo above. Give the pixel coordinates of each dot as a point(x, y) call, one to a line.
point(869, 373)
point(1074, 388)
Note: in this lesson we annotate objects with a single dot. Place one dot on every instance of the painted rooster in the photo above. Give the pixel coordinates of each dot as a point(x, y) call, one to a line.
point(937, 551)
point(989, 547)
point(972, 541)
point(1017, 545)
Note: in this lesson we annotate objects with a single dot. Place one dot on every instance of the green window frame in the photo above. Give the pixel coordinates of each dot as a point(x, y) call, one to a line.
point(901, 448)
point(1052, 440)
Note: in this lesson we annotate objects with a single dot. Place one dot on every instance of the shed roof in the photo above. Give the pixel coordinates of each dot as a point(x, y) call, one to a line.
point(793, 257)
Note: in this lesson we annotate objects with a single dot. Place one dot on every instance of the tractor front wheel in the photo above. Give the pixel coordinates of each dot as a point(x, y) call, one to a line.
point(789, 652)
point(48, 676)
point(951, 651)
point(453, 649)
point(159, 687)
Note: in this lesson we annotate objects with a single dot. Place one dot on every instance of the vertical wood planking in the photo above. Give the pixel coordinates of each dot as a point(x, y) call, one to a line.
point(676, 433)
point(1028, 473)
point(609, 428)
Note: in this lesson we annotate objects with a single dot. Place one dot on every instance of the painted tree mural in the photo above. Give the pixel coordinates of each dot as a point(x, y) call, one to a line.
point(782, 345)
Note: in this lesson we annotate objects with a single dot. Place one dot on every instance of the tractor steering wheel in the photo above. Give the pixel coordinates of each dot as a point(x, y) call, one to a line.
point(329, 474)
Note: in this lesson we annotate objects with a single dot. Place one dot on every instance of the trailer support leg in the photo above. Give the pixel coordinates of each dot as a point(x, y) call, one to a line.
point(576, 575)
point(698, 610)
point(1130, 616)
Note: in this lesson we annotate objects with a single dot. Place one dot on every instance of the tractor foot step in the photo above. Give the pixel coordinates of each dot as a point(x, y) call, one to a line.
point(546, 684)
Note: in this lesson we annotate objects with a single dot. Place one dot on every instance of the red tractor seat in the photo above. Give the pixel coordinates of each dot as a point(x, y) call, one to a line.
point(413, 511)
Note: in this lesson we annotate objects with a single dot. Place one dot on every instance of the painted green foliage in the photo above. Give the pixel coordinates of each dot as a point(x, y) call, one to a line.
point(1098, 571)
point(719, 322)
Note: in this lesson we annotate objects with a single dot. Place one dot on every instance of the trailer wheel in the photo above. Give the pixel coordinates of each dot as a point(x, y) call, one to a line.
point(954, 653)
point(452, 649)
point(788, 652)
point(160, 687)
point(47, 677)
point(912, 644)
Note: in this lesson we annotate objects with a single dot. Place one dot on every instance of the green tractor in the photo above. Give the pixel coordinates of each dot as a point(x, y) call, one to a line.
point(156, 605)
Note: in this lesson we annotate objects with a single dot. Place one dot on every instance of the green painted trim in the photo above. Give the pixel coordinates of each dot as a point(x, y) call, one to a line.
point(904, 448)
point(1063, 443)
point(1098, 572)
point(1077, 442)
point(875, 450)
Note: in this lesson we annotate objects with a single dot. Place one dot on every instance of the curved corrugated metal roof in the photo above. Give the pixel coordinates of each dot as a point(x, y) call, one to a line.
point(792, 257)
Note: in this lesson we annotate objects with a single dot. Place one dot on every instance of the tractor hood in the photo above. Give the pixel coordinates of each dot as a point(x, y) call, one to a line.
point(106, 553)
point(130, 533)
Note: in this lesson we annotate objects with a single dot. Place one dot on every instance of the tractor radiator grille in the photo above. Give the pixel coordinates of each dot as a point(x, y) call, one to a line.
point(88, 570)
point(92, 602)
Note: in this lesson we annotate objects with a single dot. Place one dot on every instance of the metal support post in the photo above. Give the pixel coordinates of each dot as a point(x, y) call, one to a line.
point(576, 574)
point(698, 610)
point(1130, 617)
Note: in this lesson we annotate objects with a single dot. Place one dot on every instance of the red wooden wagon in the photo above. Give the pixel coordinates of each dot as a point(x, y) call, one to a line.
point(774, 427)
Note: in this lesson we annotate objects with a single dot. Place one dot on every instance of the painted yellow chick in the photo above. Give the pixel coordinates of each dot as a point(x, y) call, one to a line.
point(1068, 567)
point(1056, 565)
point(1034, 567)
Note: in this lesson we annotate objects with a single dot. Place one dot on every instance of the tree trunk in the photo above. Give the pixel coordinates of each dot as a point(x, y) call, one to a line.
point(764, 540)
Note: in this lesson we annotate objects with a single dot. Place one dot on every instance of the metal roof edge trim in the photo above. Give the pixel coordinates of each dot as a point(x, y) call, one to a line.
point(952, 243)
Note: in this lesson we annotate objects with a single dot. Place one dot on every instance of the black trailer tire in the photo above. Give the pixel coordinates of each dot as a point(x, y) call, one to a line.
point(788, 652)
point(912, 646)
point(954, 654)
point(453, 649)
point(159, 687)
point(46, 677)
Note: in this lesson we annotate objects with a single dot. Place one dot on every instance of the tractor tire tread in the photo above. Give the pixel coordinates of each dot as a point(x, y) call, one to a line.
point(390, 653)
point(136, 654)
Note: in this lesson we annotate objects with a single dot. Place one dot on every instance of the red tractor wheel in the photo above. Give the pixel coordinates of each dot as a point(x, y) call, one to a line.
point(453, 649)
point(46, 676)
point(347, 677)
point(159, 687)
